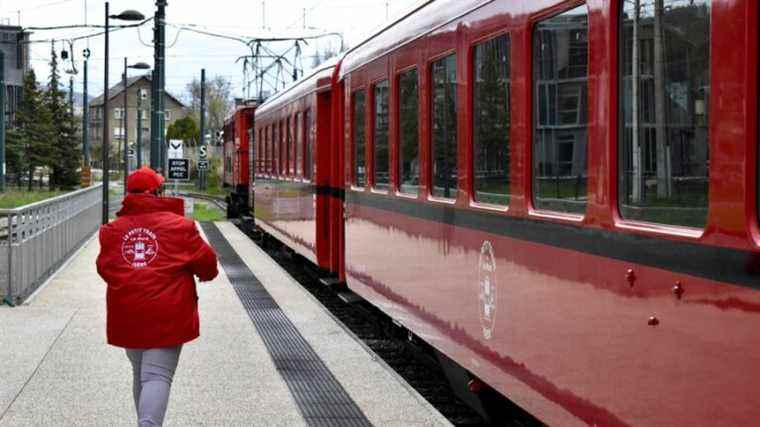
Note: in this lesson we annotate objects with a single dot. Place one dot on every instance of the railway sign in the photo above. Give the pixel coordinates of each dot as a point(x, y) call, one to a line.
point(175, 149)
point(202, 165)
point(179, 169)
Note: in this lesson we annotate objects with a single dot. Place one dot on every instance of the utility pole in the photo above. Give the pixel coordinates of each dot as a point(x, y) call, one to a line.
point(202, 148)
point(158, 120)
point(124, 133)
point(106, 145)
point(71, 95)
point(2, 122)
point(139, 129)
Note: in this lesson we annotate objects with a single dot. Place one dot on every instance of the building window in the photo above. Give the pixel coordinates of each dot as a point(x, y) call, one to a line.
point(309, 147)
point(117, 113)
point(359, 138)
point(560, 76)
point(144, 114)
point(408, 152)
point(167, 116)
point(490, 117)
point(380, 141)
point(664, 139)
point(118, 132)
point(444, 127)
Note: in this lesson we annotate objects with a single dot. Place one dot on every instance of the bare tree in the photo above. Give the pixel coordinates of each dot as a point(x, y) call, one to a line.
point(219, 102)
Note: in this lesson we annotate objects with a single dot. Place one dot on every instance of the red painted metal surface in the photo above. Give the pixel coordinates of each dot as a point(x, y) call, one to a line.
point(287, 204)
point(236, 147)
point(569, 335)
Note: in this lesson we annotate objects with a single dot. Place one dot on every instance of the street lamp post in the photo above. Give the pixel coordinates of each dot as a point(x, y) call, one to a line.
point(128, 15)
point(138, 66)
point(86, 116)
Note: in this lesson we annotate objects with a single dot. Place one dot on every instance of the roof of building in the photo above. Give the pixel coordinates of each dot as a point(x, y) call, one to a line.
point(119, 88)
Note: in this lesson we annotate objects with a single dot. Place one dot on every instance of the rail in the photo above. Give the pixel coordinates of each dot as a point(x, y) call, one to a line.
point(38, 238)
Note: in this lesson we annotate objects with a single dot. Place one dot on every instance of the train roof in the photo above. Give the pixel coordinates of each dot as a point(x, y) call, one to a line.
point(423, 19)
point(301, 87)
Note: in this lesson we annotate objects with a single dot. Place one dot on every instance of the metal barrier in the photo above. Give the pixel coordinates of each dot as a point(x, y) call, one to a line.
point(36, 239)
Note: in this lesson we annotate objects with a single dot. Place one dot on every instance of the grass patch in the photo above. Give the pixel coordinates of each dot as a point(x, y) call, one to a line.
point(14, 197)
point(203, 213)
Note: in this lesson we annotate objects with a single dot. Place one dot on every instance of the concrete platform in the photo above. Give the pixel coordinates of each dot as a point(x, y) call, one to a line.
point(56, 368)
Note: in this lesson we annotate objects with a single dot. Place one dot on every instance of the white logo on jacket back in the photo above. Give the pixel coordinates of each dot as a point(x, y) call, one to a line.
point(139, 247)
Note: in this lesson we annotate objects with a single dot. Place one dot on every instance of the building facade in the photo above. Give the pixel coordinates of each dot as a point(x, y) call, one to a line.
point(14, 44)
point(138, 102)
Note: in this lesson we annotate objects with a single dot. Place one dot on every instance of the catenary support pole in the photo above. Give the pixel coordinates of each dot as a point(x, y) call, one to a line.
point(106, 145)
point(2, 121)
point(202, 148)
point(125, 132)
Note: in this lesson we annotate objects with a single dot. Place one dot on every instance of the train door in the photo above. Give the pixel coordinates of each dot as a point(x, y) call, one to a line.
point(323, 180)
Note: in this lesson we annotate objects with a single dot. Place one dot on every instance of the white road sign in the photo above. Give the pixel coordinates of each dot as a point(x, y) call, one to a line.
point(175, 149)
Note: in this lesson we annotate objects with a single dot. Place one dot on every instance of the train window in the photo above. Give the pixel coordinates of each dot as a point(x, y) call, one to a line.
point(380, 142)
point(298, 125)
point(444, 127)
point(560, 76)
point(259, 151)
point(291, 148)
point(268, 149)
point(309, 146)
point(283, 142)
point(408, 153)
point(359, 138)
point(490, 112)
point(276, 147)
point(665, 88)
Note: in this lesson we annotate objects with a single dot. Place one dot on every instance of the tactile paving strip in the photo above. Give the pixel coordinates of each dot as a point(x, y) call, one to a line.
point(318, 394)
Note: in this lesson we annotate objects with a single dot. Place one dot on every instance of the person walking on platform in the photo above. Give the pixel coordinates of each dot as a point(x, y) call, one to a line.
point(148, 257)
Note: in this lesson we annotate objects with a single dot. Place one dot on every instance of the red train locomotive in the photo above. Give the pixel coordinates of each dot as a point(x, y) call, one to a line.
point(559, 196)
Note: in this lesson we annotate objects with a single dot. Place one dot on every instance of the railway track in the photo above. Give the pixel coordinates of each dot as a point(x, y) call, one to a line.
point(405, 354)
point(218, 201)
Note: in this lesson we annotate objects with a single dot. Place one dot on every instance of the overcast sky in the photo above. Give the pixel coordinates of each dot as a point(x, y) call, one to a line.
point(189, 52)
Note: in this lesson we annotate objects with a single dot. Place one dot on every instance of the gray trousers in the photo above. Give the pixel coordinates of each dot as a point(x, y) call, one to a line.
point(153, 371)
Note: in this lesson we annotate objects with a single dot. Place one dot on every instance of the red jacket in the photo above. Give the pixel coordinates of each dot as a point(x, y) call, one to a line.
point(148, 257)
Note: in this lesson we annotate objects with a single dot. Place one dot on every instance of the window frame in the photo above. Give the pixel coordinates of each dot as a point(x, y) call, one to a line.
point(533, 210)
point(306, 141)
point(396, 142)
point(352, 122)
point(429, 102)
point(373, 125)
point(656, 228)
point(471, 123)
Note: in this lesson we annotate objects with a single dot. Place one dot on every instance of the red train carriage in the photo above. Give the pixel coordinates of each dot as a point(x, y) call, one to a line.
point(293, 143)
point(527, 188)
point(560, 196)
point(237, 134)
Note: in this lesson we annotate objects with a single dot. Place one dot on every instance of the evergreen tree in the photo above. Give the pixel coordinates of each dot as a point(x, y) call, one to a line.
point(30, 140)
point(65, 151)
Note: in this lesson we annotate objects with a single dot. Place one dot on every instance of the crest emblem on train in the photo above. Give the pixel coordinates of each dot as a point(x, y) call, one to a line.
point(487, 289)
point(139, 247)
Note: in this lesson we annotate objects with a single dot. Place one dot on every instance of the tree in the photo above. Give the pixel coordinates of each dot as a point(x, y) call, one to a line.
point(65, 152)
point(219, 102)
point(185, 129)
point(30, 140)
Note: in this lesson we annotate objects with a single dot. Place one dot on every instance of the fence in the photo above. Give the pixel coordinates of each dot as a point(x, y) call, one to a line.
point(36, 239)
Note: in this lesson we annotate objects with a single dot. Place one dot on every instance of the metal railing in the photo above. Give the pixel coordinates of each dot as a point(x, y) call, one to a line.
point(38, 238)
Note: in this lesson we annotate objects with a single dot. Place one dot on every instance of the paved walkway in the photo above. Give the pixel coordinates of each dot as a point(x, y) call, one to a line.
point(56, 369)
